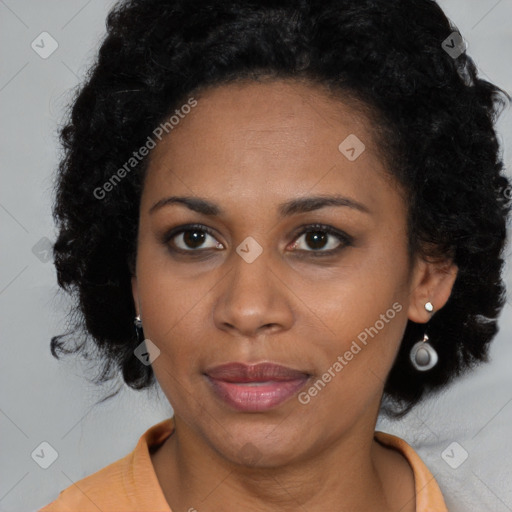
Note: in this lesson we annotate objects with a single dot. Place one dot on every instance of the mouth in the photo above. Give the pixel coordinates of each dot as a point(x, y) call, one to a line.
point(255, 388)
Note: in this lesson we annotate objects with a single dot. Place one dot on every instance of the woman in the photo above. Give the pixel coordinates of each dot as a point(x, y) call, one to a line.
point(302, 208)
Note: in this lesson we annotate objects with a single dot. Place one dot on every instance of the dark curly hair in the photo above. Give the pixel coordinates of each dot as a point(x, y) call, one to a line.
point(432, 115)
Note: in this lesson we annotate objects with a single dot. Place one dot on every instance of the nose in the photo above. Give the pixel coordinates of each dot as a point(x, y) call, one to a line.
point(253, 299)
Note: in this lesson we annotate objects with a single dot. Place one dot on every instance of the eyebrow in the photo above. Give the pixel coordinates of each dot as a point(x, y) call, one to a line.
point(287, 209)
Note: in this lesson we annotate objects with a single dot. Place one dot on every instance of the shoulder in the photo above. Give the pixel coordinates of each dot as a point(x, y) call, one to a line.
point(428, 493)
point(125, 485)
point(93, 492)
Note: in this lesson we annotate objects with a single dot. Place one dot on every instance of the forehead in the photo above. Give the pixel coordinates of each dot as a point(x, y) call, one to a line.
point(246, 140)
point(254, 111)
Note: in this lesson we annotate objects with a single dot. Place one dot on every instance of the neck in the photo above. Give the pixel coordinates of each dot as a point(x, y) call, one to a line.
point(351, 473)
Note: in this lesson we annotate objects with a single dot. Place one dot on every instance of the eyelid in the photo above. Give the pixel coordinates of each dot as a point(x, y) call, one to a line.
point(344, 238)
point(174, 232)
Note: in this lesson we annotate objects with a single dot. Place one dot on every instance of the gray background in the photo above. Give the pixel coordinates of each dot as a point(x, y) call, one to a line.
point(47, 400)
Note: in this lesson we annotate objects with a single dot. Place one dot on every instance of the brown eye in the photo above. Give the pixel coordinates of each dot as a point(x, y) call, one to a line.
point(322, 240)
point(319, 240)
point(191, 239)
point(316, 239)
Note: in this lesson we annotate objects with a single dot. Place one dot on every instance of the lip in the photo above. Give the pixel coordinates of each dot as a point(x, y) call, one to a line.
point(255, 388)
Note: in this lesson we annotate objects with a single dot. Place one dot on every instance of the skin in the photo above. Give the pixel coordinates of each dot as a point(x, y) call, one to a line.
point(249, 147)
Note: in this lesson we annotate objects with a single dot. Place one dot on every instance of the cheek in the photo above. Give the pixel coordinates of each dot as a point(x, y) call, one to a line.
point(363, 315)
point(354, 295)
point(342, 307)
point(353, 366)
point(171, 310)
point(181, 339)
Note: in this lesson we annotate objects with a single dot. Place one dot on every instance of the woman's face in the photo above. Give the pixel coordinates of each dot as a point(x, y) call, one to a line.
point(331, 305)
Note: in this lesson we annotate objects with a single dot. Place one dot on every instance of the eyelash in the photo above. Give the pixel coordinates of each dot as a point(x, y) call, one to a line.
point(345, 239)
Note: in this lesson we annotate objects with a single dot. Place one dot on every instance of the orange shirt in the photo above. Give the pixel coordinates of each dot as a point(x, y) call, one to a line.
point(130, 484)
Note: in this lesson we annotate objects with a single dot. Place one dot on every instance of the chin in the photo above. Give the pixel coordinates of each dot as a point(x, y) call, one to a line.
point(258, 444)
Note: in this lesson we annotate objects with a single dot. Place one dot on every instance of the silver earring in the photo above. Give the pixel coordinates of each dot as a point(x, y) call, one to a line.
point(138, 329)
point(429, 307)
point(423, 355)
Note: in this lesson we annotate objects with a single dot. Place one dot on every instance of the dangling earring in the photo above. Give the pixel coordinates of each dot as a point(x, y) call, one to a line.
point(138, 329)
point(423, 355)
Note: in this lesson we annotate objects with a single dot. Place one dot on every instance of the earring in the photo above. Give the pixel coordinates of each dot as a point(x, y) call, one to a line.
point(429, 307)
point(138, 329)
point(423, 355)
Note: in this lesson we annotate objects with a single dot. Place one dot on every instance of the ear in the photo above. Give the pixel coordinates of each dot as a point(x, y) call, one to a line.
point(135, 293)
point(431, 282)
